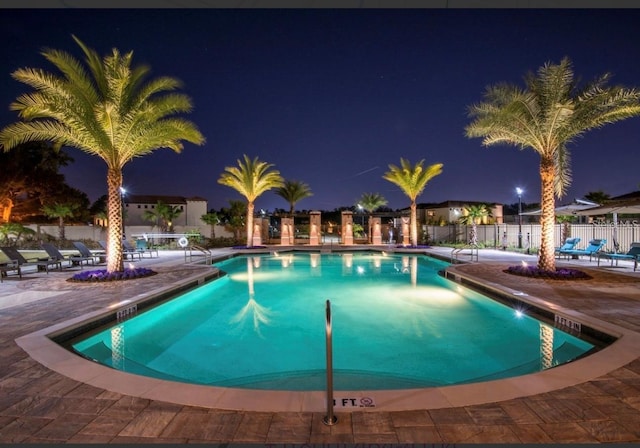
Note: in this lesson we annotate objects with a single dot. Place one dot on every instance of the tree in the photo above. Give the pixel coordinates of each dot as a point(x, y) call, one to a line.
point(412, 180)
point(233, 217)
point(29, 178)
point(293, 191)
point(16, 229)
point(251, 178)
point(105, 108)
point(169, 213)
point(599, 197)
point(371, 202)
point(474, 214)
point(548, 114)
point(59, 211)
point(162, 216)
point(213, 220)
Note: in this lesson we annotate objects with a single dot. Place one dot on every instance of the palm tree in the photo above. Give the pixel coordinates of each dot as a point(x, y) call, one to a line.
point(169, 213)
point(548, 114)
point(293, 191)
point(213, 220)
point(599, 197)
point(107, 109)
point(371, 202)
point(412, 180)
point(233, 217)
point(251, 178)
point(473, 214)
point(59, 211)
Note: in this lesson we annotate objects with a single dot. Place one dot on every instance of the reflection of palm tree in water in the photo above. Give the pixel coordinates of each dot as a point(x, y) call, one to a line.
point(252, 308)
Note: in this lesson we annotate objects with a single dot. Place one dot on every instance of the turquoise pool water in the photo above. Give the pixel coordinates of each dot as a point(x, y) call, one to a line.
point(396, 324)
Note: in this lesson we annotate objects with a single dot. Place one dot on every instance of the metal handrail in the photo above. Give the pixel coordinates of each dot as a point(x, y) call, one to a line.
point(329, 419)
point(456, 251)
point(208, 256)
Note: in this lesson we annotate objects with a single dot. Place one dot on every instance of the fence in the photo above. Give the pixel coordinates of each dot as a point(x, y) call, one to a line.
point(628, 231)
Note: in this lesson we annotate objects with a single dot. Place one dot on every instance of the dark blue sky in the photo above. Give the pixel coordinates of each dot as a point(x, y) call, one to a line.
point(333, 96)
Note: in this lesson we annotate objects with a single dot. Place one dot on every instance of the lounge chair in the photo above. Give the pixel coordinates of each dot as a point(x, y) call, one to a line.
point(86, 253)
point(73, 260)
point(592, 249)
point(129, 251)
point(632, 255)
point(9, 266)
point(17, 262)
point(141, 245)
point(569, 244)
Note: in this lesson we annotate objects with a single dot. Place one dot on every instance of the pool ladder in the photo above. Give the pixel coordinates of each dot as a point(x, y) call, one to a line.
point(473, 252)
point(330, 418)
point(201, 251)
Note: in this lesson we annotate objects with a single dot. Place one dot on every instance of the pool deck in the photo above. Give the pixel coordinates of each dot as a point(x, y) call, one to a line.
point(597, 402)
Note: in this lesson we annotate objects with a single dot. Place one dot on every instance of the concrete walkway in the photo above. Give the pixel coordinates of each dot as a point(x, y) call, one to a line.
point(40, 405)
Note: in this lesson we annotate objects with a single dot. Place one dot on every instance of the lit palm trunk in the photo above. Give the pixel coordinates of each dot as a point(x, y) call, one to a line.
point(546, 258)
point(115, 260)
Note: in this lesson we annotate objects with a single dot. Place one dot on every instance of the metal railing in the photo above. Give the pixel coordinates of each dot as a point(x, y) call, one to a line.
point(330, 418)
point(200, 251)
point(473, 252)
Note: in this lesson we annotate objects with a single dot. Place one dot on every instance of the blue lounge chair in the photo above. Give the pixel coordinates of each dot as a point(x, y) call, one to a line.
point(144, 248)
point(632, 255)
point(592, 249)
point(569, 244)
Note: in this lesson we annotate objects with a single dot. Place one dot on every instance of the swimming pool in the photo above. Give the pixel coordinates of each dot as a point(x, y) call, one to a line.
point(397, 324)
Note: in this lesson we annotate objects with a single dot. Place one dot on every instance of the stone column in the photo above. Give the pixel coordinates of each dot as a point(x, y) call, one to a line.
point(347, 228)
point(406, 232)
point(314, 228)
point(376, 231)
point(286, 232)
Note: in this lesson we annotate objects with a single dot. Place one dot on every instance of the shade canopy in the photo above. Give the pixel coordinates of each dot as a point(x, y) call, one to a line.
point(567, 210)
point(622, 206)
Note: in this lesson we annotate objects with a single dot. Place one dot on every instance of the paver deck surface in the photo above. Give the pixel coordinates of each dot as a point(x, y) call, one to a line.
point(38, 405)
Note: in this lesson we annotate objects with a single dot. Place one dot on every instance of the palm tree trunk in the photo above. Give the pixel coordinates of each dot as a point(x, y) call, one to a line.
point(473, 238)
point(250, 208)
point(414, 224)
point(546, 259)
point(61, 234)
point(115, 262)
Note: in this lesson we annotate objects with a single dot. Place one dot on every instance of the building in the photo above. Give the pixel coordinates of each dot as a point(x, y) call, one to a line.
point(449, 212)
point(191, 209)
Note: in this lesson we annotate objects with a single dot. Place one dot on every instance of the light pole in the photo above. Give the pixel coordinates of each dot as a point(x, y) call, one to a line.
point(361, 215)
point(519, 192)
point(122, 193)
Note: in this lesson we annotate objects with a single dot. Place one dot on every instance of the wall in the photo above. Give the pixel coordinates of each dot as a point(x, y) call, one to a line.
point(97, 233)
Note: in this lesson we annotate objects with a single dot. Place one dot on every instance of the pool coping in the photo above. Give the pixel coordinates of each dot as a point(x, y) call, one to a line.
point(44, 350)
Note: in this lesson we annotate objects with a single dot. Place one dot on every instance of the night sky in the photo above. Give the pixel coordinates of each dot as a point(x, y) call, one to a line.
point(331, 97)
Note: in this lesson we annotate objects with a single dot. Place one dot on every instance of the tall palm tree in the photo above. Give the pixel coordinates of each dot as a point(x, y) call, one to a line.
point(549, 113)
point(474, 214)
point(293, 191)
point(105, 108)
point(251, 178)
point(412, 179)
point(371, 202)
point(59, 211)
